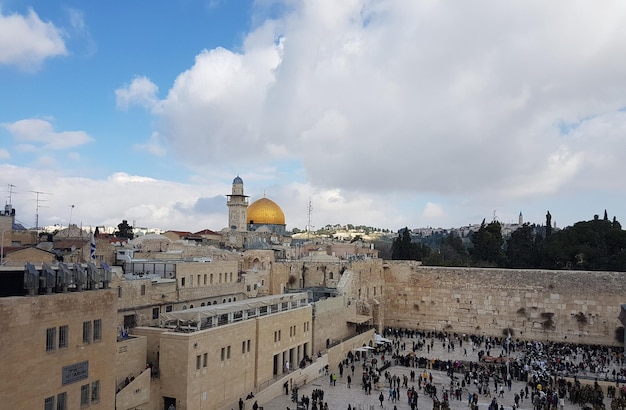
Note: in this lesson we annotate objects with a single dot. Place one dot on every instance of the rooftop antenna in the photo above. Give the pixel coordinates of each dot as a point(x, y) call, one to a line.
point(309, 209)
point(37, 200)
point(11, 186)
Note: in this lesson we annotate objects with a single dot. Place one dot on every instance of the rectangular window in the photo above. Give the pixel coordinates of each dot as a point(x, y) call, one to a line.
point(168, 308)
point(279, 335)
point(198, 282)
point(62, 401)
point(182, 281)
point(84, 394)
point(243, 346)
point(205, 278)
point(231, 277)
point(248, 345)
point(95, 391)
point(143, 290)
point(223, 356)
point(87, 332)
point(211, 279)
point(51, 339)
point(220, 278)
point(64, 332)
point(275, 336)
point(97, 330)
point(48, 403)
point(228, 352)
point(205, 359)
point(119, 292)
point(155, 313)
point(198, 362)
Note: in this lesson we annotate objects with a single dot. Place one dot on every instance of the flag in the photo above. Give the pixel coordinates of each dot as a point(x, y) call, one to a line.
point(92, 247)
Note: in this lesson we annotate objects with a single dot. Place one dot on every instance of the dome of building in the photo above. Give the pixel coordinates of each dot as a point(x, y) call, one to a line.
point(238, 180)
point(265, 211)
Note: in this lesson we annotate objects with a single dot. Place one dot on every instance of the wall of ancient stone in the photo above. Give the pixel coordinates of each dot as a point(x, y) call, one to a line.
point(572, 306)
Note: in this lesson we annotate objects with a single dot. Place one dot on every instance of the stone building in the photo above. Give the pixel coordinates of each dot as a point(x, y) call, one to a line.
point(57, 348)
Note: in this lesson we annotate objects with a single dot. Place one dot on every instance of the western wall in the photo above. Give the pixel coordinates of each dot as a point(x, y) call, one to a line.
point(568, 306)
point(571, 306)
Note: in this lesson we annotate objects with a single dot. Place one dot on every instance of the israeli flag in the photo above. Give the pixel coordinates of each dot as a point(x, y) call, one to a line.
point(92, 247)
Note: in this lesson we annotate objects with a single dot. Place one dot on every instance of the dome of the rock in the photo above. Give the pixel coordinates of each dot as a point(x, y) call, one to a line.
point(265, 212)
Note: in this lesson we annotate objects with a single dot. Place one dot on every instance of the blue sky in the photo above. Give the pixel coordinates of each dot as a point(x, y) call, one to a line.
point(383, 113)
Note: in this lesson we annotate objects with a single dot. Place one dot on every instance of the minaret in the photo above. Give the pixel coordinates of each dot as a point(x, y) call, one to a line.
point(521, 218)
point(237, 206)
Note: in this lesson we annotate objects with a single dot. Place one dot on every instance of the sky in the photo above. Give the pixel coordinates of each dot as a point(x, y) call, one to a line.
point(418, 113)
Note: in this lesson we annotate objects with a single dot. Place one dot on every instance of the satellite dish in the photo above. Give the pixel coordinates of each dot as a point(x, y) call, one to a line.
point(73, 248)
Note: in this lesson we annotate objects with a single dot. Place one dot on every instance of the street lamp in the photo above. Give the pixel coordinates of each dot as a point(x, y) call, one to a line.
point(2, 248)
point(69, 225)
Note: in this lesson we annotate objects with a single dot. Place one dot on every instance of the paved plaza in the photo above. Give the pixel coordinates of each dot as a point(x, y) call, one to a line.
point(338, 397)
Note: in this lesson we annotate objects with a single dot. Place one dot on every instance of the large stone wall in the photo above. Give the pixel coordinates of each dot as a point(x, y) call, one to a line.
point(572, 306)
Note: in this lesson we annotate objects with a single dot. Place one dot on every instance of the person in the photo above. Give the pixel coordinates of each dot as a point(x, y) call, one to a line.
point(287, 366)
point(171, 407)
point(381, 398)
point(255, 406)
point(349, 381)
point(249, 396)
point(286, 386)
point(240, 403)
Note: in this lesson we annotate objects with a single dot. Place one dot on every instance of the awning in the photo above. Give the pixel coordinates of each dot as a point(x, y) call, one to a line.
point(359, 319)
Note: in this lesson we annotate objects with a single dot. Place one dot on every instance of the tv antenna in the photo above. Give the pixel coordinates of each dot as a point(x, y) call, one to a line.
point(309, 210)
point(11, 186)
point(37, 200)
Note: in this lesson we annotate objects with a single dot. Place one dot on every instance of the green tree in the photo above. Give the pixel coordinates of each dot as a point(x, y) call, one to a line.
point(521, 250)
point(403, 247)
point(487, 245)
point(124, 230)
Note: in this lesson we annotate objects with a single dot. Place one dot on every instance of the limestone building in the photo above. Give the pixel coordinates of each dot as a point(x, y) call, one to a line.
point(57, 345)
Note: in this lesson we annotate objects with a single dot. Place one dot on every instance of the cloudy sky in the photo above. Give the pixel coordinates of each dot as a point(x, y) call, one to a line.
point(383, 113)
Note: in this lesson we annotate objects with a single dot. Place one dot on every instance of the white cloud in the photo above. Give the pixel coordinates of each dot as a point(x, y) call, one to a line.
point(433, 211)
point(154, 145)
point(141, 91)
point(31, 133)
point(26, 41)
point(4, 153)
point(417, 97)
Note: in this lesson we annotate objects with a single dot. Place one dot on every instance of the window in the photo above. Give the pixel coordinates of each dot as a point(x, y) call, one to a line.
point(48, 403)
point(87, 332)
point(62, 401)
point(84, 394)
point(205, 278)
point(198, 362)
point(182, 281)
point(143, 290)
point(198, 282)
point(231, 277)
point(220, 278)
point(228, 352)
point(205, 359)
point(51, 339)
point(211, 279)
point(243, 346)
point(63, 336)
point(97, 330)
point(119, 292)
point(168, 308)
point(95, 391)
point(129, 321)
point(155, 313)
point(223, 355)
point(248, 345)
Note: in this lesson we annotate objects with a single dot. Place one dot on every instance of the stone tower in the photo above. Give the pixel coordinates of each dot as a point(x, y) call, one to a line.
point(521, 218)
point(237, 206)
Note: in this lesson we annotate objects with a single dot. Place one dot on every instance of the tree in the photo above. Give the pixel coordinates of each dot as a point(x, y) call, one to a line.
point(487, 245)
point(403, 247)
point(124, 230)
point(521, 251)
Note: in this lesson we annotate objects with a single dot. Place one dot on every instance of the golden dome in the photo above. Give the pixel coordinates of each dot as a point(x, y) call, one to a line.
point(265, 212)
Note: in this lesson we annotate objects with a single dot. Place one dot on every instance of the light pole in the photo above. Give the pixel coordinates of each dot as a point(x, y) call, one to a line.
point(69, 225)
point(2, 248)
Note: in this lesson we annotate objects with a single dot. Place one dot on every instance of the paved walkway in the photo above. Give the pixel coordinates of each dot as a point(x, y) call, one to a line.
point(340, 396)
